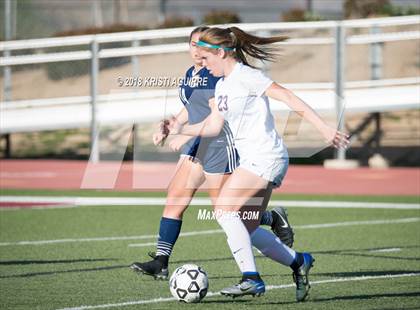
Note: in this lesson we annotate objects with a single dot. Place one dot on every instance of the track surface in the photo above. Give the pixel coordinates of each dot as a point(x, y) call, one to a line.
point(59, 174)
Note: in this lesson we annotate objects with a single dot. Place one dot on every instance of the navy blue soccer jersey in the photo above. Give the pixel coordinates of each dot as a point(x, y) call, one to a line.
point(217, 154)
point(195, 91)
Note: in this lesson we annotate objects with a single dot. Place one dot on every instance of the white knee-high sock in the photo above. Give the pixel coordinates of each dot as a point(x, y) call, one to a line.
point(272, 247)
point(239, 241)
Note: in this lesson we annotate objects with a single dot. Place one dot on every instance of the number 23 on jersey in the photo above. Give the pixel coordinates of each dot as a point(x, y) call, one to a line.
point(222, 103)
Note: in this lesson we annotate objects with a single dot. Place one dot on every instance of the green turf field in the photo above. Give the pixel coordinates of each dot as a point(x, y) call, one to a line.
point(358, 266)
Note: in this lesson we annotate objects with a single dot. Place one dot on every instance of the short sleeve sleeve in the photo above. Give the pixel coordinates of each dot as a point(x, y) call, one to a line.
point(208, 87)
point(256, 81)
point(211, 84)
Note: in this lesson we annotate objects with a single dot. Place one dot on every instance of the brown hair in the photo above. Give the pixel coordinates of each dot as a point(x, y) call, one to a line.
point(242, 42)
point(198, 29)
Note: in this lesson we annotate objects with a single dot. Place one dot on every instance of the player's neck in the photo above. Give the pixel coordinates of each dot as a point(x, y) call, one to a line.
point(197, 68)
point(228, 66)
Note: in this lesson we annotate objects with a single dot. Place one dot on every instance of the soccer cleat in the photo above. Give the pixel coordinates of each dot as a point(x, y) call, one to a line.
point(281, 226)
point(245, 287)
point(300, 277)
point(152, 268)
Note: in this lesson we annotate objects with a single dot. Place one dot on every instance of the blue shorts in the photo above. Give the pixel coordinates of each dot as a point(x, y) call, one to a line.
point(221, 158)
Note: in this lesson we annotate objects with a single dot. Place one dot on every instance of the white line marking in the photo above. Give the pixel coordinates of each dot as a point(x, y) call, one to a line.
point(344, 204)
point(42, 242)
point(150, 201)
point(373, 222)
point(206, 232)
point(386, 250)
point(269, 287)
point(315, 226)
point(132, 245)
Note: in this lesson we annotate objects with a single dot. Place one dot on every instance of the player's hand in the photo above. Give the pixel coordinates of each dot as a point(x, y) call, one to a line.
point(159, 139)
point(163, 132)
point(337, 138)
point(177, 143)
point(174, 126)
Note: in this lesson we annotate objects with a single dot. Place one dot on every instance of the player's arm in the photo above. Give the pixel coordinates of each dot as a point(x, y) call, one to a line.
point(160, 136)
point(332, 135)
point(179, 141)
point(182, 116)
point(209, 127)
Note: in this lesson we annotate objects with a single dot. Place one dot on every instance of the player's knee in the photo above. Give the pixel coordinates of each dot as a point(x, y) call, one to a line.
point(173, 214)
point(177, 202)
point(181, 189)
point(174, 211)
point(179, 197)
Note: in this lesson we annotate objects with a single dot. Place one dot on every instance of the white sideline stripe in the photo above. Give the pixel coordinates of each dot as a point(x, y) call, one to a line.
point(374, 222)
point(268, 288)
point(344, 204)
point(40, 242)
point(150, 201)
point(315, 226)
point(132, 245)
point(208, 232)
point(386, 250)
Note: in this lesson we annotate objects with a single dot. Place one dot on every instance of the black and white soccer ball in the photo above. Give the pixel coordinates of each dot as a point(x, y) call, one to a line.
point(189, 283)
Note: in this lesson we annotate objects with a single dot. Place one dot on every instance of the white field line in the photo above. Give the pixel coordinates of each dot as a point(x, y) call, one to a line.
point(150, 201)
point(326, 225)
point(268, 288)
point(207, 232)
point(389, 250)
point(42, 242)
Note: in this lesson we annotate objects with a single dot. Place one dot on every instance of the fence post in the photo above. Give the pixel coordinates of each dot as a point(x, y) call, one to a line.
point(94, 133)
point(135, 60)
point(339, 82)
point(375, 55)
point(136, 74)
point(375, 61)
point(7, 73)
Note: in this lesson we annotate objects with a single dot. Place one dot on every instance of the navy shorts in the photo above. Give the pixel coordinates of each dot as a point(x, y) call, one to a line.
point(216, 158)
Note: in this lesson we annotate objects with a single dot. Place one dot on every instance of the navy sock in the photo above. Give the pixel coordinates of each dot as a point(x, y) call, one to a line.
point(266, 218)
point(297, 262)
point(251, 276)
point(168, 234)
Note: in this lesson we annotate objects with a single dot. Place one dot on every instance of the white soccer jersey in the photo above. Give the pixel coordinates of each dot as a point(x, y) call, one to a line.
point(240, 99)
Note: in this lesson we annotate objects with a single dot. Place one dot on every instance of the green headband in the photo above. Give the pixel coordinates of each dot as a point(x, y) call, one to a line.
point(205, 44)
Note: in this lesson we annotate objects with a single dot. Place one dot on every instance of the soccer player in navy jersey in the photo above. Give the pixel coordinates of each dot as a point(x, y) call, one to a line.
point(202, 159)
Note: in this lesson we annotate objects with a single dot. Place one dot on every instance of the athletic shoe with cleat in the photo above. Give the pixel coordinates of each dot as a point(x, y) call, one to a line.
point(245, 287)
point(300, 277)
point(281, 226)
point(152, 268)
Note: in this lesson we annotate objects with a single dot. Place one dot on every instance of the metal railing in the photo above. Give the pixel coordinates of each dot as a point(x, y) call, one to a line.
point(94, 53)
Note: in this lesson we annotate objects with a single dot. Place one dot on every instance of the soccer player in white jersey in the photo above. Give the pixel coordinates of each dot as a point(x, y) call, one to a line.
point(241, 99)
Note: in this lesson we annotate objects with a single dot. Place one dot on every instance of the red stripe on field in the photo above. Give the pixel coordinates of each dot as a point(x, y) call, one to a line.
point(58, 174)
point(6, 204)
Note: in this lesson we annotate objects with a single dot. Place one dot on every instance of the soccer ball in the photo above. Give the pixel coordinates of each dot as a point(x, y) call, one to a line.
point(189, 283)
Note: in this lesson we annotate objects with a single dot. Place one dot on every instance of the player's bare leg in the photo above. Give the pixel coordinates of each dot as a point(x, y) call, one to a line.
point(188, 177)
point(250, 194)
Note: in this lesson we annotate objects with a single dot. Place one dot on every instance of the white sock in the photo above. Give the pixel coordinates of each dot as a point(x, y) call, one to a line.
point(272, 247)
point(239, 241)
